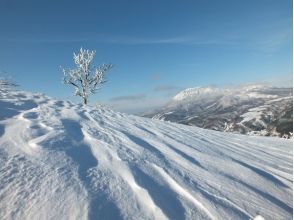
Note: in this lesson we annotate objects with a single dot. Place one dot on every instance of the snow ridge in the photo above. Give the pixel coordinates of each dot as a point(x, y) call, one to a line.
point(59, 160)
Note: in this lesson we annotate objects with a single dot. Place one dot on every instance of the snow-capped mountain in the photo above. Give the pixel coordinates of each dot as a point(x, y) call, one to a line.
point(252, 109)
point(59, 160)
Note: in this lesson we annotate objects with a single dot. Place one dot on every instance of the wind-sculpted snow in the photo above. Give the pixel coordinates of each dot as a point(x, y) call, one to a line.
point(64, 161)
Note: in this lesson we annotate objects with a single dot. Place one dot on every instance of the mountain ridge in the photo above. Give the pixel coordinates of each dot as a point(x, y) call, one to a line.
point(225, 109)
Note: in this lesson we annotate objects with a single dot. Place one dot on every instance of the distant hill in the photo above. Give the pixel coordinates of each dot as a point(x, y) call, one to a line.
point(254, 109)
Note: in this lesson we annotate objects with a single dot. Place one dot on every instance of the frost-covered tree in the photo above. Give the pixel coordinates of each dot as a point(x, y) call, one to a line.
point(7, 83)
point(85, 78)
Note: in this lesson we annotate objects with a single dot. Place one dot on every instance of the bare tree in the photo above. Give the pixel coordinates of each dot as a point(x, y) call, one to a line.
point(85, 78)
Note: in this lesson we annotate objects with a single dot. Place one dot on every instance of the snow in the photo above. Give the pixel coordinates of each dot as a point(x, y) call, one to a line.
point(59, 160)
point(257, 95)
point(255, 114)
point(259, 217)
point(198, 91)
point(242, 92)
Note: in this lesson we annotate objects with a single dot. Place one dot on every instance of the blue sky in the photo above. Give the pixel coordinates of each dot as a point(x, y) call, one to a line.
point(158, 47)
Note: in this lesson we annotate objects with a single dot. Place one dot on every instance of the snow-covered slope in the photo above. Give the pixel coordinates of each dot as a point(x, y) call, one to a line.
point(242, 92)
point(198, 92)
point(252, 109)
point(64, 161)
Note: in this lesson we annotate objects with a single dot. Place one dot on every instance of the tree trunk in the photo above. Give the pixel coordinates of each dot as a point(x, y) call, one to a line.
point(85, 101)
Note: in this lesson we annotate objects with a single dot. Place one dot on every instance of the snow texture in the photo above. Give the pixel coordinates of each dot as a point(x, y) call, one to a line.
point(59, 160)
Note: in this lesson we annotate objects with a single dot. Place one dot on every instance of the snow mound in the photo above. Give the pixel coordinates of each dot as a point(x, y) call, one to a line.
point(59, 160)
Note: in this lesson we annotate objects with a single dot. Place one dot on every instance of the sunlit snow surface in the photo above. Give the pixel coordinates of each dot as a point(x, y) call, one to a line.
point(64, 161)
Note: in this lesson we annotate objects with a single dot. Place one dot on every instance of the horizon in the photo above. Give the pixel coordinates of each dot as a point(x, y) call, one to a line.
point(158, 48)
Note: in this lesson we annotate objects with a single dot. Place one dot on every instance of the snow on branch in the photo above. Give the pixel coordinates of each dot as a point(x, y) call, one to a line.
point(85, 78)
point(7, 83)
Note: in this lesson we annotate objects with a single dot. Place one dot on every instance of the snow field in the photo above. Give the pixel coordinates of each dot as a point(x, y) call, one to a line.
point(59, 160)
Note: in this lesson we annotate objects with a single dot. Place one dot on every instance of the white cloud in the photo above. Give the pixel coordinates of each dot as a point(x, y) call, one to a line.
point(137, 107)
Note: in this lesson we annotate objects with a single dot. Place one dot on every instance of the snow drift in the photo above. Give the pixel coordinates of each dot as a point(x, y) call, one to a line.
point(64, 161)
